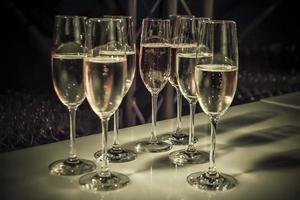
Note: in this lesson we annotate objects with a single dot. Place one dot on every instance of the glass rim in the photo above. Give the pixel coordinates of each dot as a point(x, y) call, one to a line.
point(70, 16)
point(118, 16)
point(203, 18)
point(187, 17)
point(156, 19)
point(195, 18)
point(175, 15)
point(214, 21)
point(103, 19)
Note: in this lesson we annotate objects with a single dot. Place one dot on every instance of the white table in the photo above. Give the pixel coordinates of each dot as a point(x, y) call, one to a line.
point(291, 100)
point(258, 143)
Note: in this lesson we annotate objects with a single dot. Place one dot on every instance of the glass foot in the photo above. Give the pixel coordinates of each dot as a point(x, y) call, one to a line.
point(153, 147)
point(93, 181)
point(117, 155)
point(69, 167)
point(178, 138)
point(212, 182)
point(184, 156)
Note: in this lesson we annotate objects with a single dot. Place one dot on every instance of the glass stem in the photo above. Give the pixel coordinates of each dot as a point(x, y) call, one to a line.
point(116, 129)
point(153, 137)
point(72, 152)
point(191, 146)
point(179, 111)
point(212, 166)
point(104, 171)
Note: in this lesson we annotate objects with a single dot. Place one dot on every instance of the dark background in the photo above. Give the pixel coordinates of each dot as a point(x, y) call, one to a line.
point(30, 112)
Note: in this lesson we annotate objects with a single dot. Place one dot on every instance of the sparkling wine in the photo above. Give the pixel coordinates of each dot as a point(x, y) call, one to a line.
point(173, 78)
point(155, 65)
point(104, 78)
point(67, 73)
point(216, 86)
point(185, 68)
point(131, 65)
point(174, 50)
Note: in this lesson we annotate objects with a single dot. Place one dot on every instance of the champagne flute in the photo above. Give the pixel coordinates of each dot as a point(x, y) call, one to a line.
point(118, 154)
point(67, 75)
point(186, 41)
point(178, 137)
point(155, 71)
point(105, 71)
point(216, 82)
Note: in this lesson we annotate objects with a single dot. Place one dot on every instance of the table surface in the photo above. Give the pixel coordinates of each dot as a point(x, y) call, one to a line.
point(291, 100)
point(257, 143)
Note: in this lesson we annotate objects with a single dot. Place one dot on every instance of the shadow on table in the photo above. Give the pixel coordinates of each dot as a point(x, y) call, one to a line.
point(282, 160)
point(278, 161)
point(163, 162)
point(239, 121)
point(226, 124)
point(265, 136)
